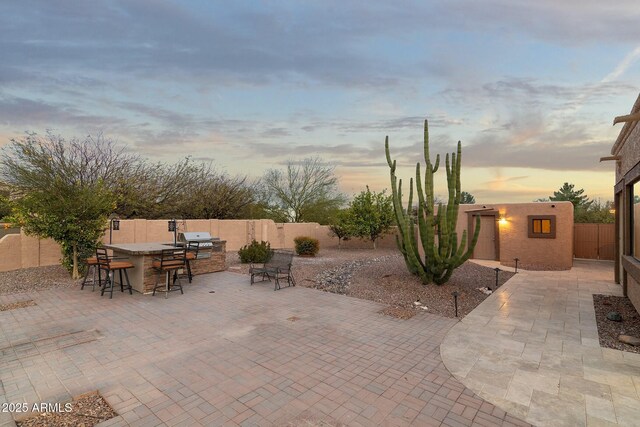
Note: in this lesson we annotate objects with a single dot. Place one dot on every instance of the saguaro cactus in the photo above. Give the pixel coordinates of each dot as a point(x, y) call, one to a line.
point(437, 229)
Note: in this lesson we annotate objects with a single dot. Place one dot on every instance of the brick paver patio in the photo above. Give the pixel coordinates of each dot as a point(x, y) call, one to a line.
point(240, 356)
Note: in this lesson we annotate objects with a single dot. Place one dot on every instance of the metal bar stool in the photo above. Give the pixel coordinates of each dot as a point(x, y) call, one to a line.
point(192, 253)
point(170, 261)
point(92, 265)
point(110, 267)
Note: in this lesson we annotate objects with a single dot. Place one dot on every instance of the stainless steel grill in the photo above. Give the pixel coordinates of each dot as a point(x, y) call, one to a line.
point(202, 239)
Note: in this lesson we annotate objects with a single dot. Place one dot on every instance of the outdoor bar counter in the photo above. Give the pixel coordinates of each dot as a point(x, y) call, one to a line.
point(144, 277)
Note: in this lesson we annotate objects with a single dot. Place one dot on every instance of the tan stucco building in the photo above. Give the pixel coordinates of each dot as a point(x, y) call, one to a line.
point(540, 235)
point(626, 153)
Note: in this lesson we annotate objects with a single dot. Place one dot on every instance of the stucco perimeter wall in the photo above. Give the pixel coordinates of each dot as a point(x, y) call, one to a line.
point(21, 251)
point(514, 240)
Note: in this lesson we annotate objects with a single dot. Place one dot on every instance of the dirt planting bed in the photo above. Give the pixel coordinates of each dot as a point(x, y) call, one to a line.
point(608, 330)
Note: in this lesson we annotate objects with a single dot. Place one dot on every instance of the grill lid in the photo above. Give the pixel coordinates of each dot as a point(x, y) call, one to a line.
point(196, 236)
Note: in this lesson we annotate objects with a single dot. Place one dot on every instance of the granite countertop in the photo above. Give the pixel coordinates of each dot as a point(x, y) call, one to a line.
point(153, 248)
point(140, 248)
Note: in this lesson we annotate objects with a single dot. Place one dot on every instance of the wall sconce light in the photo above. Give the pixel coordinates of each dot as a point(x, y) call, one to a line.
point(172, 226)
point(502, 220)
point(114, 224)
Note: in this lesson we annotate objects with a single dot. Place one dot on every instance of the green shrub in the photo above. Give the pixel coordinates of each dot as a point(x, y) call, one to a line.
point(306, 245)
point(255, 252)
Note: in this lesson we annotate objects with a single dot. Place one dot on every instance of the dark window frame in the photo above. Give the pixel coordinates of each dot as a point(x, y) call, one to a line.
point(632, 218)
point(550, 235)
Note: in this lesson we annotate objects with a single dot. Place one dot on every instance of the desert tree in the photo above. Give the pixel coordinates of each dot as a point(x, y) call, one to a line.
point(212, 194)
point(341, 226)
point(60, 189)
point(302, 187)
point(567, 193)
point(371, 215)
point(154, 190)
point(5, 201)
point(596, 212)
point(467, 198)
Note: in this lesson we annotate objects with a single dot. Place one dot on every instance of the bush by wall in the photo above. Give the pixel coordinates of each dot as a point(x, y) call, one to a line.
point(306, 245)
point(255, 252)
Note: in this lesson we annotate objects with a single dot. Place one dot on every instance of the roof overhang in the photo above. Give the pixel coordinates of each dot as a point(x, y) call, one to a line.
point(630, 121)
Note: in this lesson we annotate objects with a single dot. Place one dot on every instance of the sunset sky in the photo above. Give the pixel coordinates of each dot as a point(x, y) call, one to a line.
point(529, 87)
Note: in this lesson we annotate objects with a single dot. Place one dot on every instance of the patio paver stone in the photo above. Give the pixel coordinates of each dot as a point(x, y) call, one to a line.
point(532, 349)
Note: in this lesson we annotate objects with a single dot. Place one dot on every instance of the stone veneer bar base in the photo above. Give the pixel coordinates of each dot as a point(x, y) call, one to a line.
point(217, 262)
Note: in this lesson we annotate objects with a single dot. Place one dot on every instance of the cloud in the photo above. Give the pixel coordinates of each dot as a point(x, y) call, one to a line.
point(568, 22)
point(27, 113)
point(532, 93)
point(280, 80)
point(275, 133)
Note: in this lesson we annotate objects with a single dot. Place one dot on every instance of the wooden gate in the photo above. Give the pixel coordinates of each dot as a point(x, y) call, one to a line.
point(594, 241)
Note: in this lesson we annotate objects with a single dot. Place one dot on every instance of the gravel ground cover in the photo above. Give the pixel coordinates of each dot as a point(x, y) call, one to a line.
point(36, 278)
point(381, 275)
point(608, 330)
point(86, 411)
point(19, 304)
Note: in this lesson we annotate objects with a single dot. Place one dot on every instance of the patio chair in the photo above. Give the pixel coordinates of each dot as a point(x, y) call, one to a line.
point(92, 265)
point(110, 266)
point(170, 261)
point(278, 267)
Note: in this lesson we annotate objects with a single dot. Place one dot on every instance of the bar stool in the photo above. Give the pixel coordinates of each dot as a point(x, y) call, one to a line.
point(110, 267)
point(92, 264)
point(171, 260)
point(192, 253)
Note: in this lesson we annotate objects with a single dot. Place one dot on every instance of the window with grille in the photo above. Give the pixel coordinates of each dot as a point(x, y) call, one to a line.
point(542, 226)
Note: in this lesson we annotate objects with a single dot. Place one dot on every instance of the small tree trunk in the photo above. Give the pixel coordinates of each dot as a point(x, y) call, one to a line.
point(375, 244)
point(75, 274)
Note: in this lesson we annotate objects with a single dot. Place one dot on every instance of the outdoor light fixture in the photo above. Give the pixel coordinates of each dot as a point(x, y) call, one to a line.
point(173, 226)
point(455, 301)
point(502, 220)
point(114, 224)
point(497, 272)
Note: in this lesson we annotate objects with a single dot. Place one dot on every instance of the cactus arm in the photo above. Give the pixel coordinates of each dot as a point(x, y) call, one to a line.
point(392, 165)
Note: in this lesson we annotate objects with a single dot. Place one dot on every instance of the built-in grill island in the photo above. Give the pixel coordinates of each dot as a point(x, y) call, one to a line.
point(210, 251)
point(198, 241)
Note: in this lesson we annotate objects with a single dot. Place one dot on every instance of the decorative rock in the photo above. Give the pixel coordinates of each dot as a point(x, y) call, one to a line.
point(614, 316)
point(628, 339)
point(338, 279)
